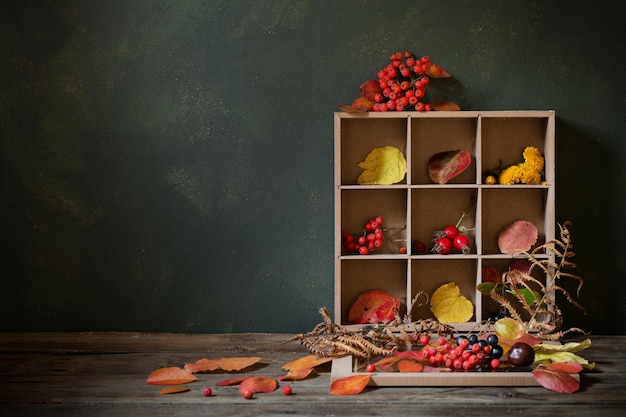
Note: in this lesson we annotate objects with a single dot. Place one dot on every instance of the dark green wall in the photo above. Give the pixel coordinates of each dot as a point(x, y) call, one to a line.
point(167, 165)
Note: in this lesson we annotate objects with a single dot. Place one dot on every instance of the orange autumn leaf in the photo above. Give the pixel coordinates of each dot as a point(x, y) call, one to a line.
point(350, 385)
point(173, 390)
point(296, 375)
point(385, 363)
point(226, 364)
point(230, 381)
point(306, 362)
point(255, 384)
point(376, 306)
point(435, 71)
point(444, 106)
point(170, 376)
point(406, 366)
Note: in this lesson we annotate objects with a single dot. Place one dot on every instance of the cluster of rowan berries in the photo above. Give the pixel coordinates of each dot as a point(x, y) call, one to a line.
point(403, 83)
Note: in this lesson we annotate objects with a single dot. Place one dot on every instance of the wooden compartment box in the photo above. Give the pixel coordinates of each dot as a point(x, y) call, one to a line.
point(416, 207)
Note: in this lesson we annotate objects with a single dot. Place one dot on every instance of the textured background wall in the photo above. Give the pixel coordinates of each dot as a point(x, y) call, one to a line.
point(167, 165)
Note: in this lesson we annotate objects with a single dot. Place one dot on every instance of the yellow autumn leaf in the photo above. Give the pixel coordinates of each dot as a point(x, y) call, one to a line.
point(385, 165)
point(449, 306)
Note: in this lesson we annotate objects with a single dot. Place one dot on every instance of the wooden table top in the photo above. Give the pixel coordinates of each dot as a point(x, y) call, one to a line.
point(93, 374)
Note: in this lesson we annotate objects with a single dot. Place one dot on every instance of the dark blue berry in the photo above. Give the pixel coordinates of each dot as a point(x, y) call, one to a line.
point(492, 340)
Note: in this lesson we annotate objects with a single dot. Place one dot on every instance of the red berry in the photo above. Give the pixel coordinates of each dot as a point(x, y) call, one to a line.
point(247, 394)
point(287, 390)
point(419, 247)
point(462, 243)
point(443, 246)
point(424, 339)
point(370, 367)
point(379, 220)
point(364, 250)
point(402, 250)
point(451, 232)
point(362, 240)
point(495, 363)
point(425, 59)
point(442, 341)
point(207, 392)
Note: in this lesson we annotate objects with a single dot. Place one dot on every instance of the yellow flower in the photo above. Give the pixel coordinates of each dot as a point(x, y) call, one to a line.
point(527, 172)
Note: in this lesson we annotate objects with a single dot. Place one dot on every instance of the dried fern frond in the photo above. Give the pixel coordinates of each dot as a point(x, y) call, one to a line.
point(554, 268)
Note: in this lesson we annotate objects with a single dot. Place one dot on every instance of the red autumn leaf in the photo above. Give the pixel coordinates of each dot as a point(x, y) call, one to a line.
point(435, 71)
point(490, 275)
point(412, 354)
point(386, 362)
point(256, 384)
point(170, 376)
point(369, 89)
point(349, 385)
point(570, 367)
point(444, 166)
point(376, 306)
point(406, 366)
point(231, 381)
point(298, 375)
point(518, 237)
point(444, 106)
point(556, 380)
point(173, 390)
point(306, 362)
point(435, 369)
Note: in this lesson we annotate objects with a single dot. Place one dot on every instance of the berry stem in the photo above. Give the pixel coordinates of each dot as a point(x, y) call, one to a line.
point(470, 203)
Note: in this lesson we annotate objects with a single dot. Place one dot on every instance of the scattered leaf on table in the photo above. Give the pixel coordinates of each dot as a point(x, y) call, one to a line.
point(386, 362)
point(256, 384)
point(449, 306)
point(556, 380)
point(411, 354)
point(518, 237)
point(306, 362)
point(566, 347)
point(563, 357)
point(375, 306)
point(385, 165)
point(173, 390)
point(226, 364)
point(407, 366)
point(568, 367)
point(349, 385)
point(298, 375)
point(170, 376)
point(231, 381)
point(444, 106)
point(444, 166)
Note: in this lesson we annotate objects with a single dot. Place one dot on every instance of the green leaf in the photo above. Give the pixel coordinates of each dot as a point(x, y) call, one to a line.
point(532, 297)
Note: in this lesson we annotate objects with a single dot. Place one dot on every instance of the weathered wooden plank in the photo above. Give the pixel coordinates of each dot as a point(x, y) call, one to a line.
point(104, 374)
